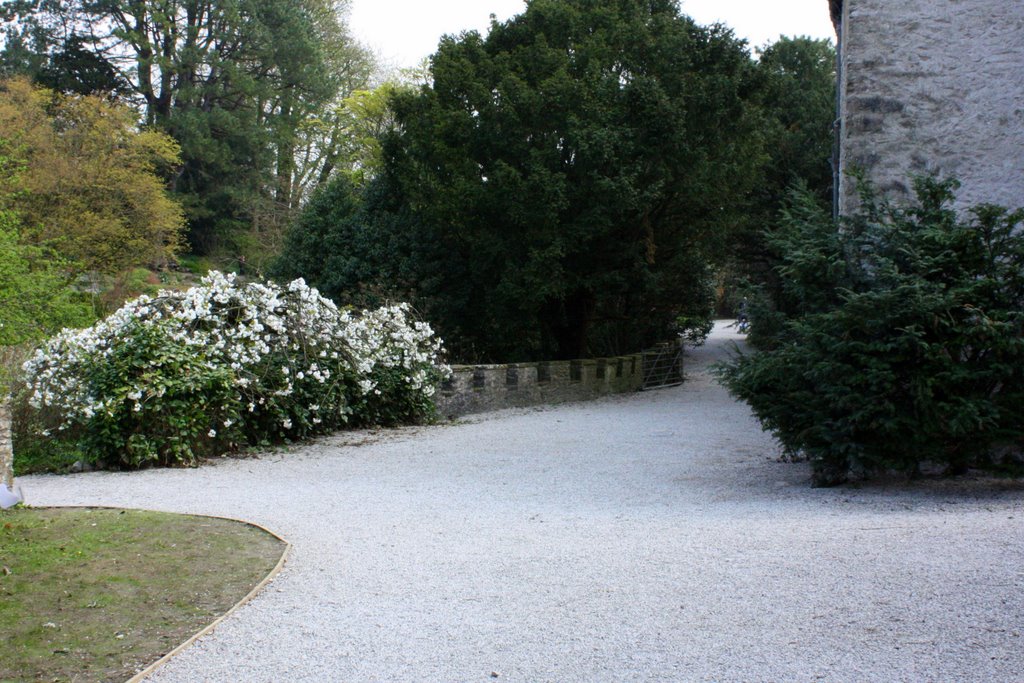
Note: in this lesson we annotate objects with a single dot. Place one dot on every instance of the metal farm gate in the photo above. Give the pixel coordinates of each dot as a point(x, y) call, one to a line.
point(663, 366)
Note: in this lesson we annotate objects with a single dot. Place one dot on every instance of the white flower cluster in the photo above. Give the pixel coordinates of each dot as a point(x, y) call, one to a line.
point(386, 338)
point(281, 345)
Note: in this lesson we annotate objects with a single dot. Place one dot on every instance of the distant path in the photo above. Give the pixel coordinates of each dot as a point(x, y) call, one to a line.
point(649, 537)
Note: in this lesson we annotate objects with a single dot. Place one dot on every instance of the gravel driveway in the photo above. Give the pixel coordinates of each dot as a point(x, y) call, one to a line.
point(649, 537)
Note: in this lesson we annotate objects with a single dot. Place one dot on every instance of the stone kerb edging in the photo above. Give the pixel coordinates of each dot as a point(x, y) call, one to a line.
point(480, 388)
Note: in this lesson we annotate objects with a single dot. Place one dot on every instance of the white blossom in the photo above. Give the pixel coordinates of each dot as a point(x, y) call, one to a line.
point(263, 335)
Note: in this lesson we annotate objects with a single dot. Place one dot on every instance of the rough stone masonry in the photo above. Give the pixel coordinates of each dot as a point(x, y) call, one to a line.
point(932, 86)
point(6, 450)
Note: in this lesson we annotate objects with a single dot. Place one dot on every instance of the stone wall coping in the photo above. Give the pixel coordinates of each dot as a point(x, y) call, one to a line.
point(463, 367)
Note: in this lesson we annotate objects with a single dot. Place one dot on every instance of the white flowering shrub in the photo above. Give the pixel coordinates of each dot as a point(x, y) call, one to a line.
point(171, 378)
point(398, 364)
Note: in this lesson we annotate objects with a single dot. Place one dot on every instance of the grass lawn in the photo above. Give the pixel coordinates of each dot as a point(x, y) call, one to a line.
point(96, 595)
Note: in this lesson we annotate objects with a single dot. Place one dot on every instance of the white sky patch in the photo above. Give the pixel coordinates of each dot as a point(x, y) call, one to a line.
point(761, 22)
point(404, 32)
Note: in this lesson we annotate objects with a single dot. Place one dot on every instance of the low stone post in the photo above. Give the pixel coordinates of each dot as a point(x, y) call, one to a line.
point(6, 445)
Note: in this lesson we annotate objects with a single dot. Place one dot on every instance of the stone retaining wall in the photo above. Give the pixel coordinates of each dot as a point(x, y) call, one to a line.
point(479, 388)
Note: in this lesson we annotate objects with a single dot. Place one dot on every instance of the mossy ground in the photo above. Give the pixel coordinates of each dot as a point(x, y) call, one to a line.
point(96, 595)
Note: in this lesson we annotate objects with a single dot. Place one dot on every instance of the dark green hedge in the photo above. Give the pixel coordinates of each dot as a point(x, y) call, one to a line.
point(902, 343)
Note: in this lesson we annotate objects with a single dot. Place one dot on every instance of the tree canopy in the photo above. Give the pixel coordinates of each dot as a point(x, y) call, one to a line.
point(36, 298)
point(89, 179)
point(570, 177)
point(234, 82)
point(569, 184)
point(799, 100)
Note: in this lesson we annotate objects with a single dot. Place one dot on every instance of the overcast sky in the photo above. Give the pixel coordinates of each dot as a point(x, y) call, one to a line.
point(406, 31)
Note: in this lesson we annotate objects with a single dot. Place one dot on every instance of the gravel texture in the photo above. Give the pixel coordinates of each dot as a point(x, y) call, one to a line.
point(649, 537)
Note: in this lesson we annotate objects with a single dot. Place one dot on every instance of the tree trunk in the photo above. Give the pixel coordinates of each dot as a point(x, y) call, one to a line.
point(285, 159)
point(6, 444)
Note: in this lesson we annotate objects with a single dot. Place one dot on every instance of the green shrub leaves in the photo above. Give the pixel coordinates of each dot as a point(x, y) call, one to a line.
point(904, 343)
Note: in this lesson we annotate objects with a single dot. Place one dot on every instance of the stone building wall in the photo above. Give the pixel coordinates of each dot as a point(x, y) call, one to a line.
point(932, 86)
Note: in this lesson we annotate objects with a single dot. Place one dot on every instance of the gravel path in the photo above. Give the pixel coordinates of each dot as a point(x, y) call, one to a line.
point(650, 537)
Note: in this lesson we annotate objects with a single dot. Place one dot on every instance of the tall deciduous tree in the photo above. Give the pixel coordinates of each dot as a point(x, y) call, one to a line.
point(90, 184)
point(571, 176)
point(35, 296)
point(233, 81)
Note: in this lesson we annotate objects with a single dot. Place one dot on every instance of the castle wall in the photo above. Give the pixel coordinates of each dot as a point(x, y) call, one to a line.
point(933, 86)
